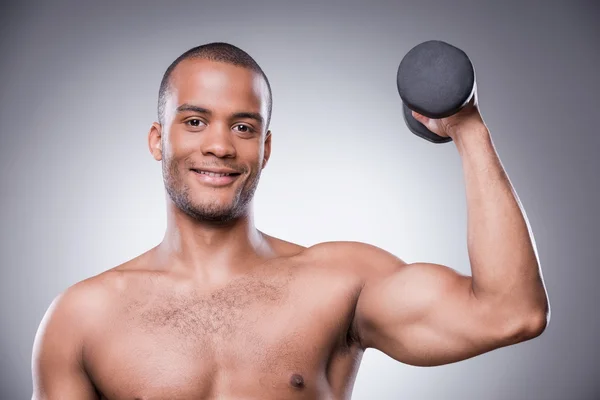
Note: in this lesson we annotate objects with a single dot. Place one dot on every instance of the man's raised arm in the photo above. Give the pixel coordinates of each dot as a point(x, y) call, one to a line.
point(428, 314)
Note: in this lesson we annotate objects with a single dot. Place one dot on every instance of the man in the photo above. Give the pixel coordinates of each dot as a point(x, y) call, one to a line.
point(219, 309)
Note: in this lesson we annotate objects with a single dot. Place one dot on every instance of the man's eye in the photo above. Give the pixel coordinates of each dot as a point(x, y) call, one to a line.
point(194, 122)
point(244, 128)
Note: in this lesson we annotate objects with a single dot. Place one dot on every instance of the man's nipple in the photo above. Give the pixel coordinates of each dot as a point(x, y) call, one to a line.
point(297, 381)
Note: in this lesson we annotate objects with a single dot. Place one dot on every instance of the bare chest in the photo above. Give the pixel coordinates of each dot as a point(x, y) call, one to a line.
point(273, 337)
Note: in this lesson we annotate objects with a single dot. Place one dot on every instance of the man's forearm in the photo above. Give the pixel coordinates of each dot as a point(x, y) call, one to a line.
point(504, 261)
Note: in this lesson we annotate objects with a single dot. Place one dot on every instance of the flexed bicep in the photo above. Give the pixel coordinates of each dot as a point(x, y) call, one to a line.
point(427, 314)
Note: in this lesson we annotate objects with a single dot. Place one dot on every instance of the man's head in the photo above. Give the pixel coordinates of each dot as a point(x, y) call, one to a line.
point(214, 108)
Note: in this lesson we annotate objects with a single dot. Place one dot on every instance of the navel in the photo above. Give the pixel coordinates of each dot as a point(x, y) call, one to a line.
point(297, 381)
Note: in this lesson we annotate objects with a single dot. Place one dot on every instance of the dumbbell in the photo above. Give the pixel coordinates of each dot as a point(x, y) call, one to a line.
point(437, 80)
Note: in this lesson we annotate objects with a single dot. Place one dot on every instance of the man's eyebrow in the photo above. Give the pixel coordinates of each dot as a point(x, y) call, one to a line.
point(190, 107)
point(250, 115)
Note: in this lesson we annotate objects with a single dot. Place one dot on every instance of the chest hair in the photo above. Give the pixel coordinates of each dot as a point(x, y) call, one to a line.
point(218, 313)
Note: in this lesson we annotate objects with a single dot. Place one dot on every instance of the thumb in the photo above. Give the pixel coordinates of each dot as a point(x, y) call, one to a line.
point(430, 123)
point(421, 118)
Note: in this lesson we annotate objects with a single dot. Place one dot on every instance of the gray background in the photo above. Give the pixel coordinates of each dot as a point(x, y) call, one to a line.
point(80, 192)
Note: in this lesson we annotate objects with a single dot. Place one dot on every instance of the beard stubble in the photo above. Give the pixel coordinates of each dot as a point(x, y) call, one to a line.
point(213, 212)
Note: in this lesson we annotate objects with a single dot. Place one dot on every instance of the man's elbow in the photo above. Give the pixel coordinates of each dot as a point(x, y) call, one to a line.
point(528, 326)
point(536, 323)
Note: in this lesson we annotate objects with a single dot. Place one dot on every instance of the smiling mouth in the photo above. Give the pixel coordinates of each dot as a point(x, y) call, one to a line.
point(217, 174)
point(216, 178)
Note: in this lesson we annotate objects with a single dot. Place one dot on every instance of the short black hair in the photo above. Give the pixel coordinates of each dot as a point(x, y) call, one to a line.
point(216, 51)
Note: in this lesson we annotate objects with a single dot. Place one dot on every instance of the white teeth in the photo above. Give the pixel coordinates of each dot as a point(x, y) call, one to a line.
point(213, 174)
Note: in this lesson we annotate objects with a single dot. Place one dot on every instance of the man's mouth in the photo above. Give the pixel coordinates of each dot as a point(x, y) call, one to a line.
point(214, 173)
point(216, 177)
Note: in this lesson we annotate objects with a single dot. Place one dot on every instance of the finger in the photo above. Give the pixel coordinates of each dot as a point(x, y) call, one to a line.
point(421, 118)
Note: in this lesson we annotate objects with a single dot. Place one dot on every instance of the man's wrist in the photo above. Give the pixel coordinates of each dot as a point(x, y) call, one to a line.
point(469, 135)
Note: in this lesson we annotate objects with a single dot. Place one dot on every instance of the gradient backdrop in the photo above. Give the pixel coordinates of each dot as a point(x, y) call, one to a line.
point(80, 192)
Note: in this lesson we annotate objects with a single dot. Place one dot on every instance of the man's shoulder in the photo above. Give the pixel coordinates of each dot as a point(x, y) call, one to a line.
point(349, 250)
point(71, 315)
point(87, 301)
point(353, 257)
point(86, 298)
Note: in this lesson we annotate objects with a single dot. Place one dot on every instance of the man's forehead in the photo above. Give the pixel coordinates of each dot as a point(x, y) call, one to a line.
point(200, 80)
point(210, 74)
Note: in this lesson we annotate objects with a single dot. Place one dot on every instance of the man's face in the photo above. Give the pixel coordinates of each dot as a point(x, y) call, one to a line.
point(214, 143)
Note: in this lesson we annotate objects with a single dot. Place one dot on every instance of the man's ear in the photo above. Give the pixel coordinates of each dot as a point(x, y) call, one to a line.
point(267, 152)
point(155, 141)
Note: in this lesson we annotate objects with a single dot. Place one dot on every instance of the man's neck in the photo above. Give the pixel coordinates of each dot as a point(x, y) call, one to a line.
point(211, 251)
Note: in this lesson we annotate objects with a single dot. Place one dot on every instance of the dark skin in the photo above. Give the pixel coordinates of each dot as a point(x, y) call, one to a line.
point(221, 310)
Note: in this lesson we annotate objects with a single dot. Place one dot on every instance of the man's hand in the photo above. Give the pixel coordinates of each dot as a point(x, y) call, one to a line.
point(468, 118)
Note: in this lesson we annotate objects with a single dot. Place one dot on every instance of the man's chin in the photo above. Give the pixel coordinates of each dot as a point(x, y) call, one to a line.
point(214, 213)
point(217, 217)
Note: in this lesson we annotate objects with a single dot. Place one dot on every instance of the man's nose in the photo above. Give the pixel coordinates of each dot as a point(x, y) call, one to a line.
point(218, 141)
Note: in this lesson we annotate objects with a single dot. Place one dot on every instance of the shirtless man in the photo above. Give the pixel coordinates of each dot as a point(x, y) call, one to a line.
point(221, 310)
